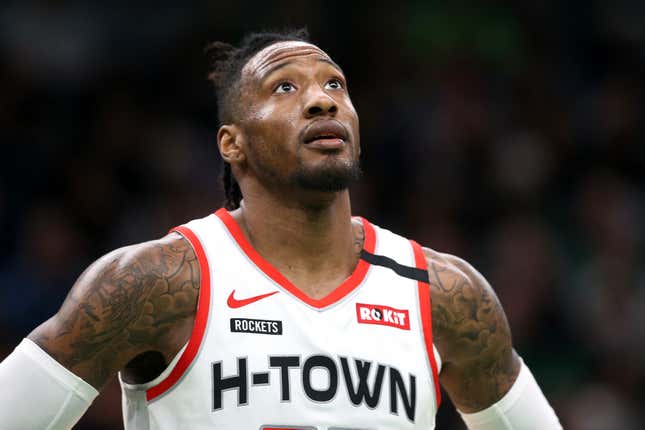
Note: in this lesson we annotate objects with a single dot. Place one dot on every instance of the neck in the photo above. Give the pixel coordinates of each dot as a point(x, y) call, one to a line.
point(307, 242)
point(298, 231)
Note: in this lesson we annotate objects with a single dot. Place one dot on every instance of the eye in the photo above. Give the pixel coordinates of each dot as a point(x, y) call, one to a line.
point(284, 87)
point(334, 84)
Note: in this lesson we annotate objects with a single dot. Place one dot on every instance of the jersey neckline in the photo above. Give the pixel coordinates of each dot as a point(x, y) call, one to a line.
point(345, 288)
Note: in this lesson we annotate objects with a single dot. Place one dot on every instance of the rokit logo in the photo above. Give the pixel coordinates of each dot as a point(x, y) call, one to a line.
point(383, 315)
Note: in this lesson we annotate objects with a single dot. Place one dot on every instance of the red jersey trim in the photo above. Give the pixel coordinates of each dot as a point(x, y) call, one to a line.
point(349, 285)
point(426, 317)
point(201, 318)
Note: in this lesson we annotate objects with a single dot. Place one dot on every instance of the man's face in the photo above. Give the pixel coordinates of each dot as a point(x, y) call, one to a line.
point(298, 120)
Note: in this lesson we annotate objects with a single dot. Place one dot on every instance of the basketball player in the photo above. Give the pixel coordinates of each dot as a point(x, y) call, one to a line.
point(280, 311)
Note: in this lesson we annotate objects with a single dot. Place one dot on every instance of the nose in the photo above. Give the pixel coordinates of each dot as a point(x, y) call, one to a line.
point(319, 103)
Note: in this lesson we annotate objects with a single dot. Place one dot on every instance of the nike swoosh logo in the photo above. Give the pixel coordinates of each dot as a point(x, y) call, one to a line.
point(232, 302)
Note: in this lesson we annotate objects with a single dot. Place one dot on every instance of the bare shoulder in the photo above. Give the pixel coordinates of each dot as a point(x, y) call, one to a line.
point(464, 306)
point(471, 333)
point(133, 300)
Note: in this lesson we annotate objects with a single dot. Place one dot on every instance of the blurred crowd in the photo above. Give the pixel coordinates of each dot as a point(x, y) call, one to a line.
point(508, 133)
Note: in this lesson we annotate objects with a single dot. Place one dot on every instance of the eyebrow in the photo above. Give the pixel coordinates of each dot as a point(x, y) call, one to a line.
point(288, 62)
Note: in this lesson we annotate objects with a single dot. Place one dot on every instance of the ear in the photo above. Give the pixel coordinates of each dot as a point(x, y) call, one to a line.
point(231, 144)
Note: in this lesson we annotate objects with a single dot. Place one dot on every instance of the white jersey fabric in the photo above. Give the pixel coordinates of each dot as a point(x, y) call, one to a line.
point(263, 355)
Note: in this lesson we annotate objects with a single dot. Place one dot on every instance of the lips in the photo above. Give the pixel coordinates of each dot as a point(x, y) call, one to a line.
point(324, 130)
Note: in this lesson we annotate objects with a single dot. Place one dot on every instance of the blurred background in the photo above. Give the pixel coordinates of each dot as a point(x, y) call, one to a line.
point(508, 133)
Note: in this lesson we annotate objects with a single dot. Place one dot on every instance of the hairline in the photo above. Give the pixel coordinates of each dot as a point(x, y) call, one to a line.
point(286, 48)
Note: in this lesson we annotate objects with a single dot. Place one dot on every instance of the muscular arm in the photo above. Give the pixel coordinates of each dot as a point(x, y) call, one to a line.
point(471, 333)
point(134, 300)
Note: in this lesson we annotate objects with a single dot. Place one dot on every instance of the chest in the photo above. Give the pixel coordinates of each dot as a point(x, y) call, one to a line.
point(277, 359)
point(264, 355)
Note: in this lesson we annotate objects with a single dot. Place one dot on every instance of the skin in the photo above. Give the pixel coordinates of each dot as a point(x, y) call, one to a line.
point(471, 332)
point(133, 309)
point(134, 306)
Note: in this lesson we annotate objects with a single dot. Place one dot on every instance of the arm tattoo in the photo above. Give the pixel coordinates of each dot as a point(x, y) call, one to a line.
point(127, 303)
point(471, 333)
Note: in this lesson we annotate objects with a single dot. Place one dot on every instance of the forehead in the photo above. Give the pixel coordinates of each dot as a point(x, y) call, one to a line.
point(275, 53)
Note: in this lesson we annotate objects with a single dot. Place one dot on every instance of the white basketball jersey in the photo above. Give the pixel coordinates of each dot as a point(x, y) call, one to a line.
point(263, 355)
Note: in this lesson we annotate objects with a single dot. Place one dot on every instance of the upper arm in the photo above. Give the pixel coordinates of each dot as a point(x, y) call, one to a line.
point(471, 333)
point(124, 304)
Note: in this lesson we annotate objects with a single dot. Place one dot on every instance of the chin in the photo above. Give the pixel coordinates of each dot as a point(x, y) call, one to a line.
point(327, 177)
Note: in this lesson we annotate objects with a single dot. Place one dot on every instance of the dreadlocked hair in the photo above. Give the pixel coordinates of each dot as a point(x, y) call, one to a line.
point(225, 65)
point(232, 192)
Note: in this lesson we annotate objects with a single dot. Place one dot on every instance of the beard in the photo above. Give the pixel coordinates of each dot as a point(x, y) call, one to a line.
point(330, 176)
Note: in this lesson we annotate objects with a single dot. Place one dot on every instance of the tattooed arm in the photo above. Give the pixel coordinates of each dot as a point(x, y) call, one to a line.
point(133, 302)
point(471, 333)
